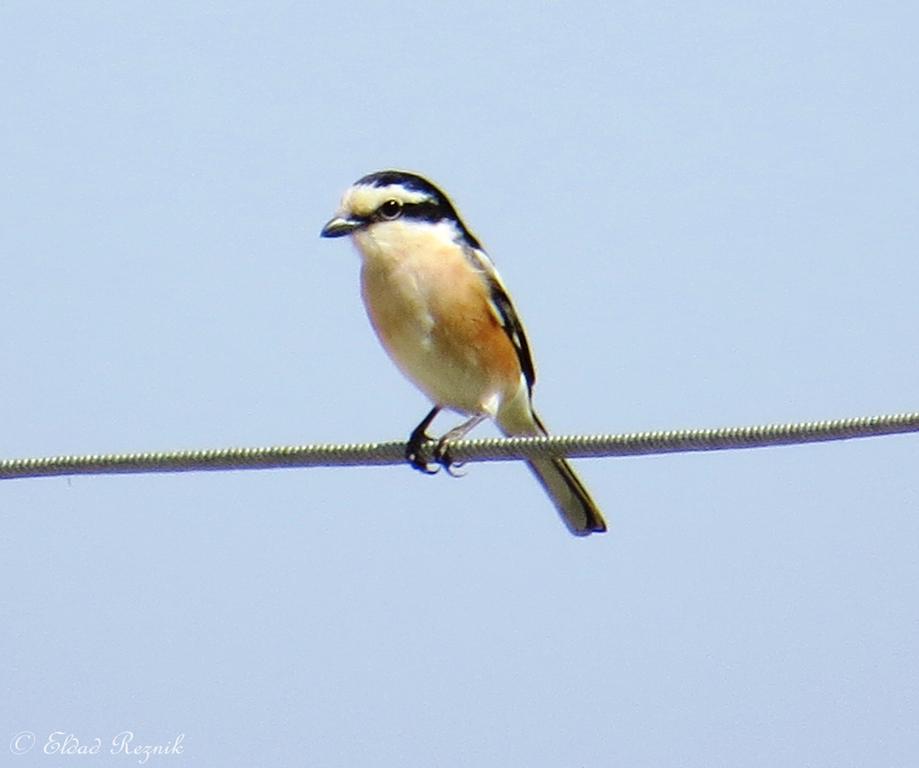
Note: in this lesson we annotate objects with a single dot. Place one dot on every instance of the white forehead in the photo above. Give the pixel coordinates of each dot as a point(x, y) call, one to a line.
point(363, 199)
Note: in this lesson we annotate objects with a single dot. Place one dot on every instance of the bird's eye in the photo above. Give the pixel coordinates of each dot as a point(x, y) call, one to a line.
point(391, 209)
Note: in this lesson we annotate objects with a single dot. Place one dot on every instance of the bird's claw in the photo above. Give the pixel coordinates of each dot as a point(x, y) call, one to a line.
point(444, 458)
point(414, 453)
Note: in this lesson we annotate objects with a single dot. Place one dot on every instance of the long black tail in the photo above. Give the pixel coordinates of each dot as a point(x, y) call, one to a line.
point(577, 509)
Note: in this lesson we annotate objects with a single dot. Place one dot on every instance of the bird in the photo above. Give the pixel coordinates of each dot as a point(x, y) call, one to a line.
point(442, 313)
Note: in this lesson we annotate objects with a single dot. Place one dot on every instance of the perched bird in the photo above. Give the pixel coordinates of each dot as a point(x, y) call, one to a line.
point(442, 313)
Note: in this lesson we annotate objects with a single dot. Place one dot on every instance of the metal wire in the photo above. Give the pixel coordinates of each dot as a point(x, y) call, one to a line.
point(496, 449)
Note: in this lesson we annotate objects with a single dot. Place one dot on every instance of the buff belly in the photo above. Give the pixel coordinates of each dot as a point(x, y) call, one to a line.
point(437, 326)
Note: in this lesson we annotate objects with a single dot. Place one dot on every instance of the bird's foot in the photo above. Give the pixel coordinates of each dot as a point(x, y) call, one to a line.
point(415, 453)
point(444, 458)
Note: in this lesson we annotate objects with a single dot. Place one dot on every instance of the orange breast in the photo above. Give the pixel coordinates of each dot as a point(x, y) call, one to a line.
point(467, 328)
point(432, 313)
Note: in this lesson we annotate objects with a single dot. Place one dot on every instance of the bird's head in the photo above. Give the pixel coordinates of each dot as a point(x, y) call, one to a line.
point(390, 205)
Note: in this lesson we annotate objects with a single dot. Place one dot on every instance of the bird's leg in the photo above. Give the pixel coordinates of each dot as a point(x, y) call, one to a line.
point(417, 440)
point(442, 449)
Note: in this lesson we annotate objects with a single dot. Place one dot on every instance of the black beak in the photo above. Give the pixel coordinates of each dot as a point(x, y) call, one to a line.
point(339, 227)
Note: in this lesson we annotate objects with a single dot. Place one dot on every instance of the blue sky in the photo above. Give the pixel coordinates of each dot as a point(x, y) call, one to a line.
point(706, 214)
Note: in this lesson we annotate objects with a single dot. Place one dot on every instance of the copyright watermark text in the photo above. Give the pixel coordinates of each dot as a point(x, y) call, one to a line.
point(124, 744)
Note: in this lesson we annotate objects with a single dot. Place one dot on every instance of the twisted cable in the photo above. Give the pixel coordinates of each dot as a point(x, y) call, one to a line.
point(489, 449)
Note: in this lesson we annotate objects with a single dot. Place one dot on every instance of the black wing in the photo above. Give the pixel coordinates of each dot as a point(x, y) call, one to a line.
point(506, 314)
